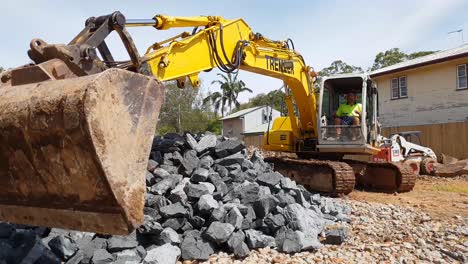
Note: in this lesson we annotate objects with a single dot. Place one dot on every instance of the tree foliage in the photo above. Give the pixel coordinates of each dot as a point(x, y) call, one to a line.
point(274, 99)
point(394, 56)
point(1, 69)
point(183, 110)
point(230, 88)
point(336, 67)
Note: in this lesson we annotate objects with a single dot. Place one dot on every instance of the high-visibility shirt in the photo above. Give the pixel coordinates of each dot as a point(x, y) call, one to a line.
point(349, 110)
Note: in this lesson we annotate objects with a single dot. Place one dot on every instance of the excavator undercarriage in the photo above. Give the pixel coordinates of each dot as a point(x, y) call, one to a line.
point(337, 178)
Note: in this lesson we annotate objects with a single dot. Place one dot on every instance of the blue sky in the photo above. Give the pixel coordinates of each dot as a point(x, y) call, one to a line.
point(323, 31)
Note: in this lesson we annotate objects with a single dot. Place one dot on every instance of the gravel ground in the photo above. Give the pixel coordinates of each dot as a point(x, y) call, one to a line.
point(381, 234)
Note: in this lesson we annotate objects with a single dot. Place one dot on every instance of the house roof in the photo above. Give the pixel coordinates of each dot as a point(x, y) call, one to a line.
point(241, 113)
point(436, 57)
point(260, 129)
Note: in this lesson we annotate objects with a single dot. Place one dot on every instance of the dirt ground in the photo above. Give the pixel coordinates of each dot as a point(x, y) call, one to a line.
point(442, 198)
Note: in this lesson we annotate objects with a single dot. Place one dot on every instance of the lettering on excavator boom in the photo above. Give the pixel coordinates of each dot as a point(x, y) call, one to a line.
point(279, 65)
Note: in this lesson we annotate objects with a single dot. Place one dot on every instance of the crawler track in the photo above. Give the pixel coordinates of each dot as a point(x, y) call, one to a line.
point(339, 177)
point(331, 177)
point(383, 176)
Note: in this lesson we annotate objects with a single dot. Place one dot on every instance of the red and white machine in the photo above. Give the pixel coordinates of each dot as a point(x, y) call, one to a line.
point(398, 148)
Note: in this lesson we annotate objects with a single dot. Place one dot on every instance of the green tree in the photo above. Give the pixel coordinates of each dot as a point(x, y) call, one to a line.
point(183, 111)
point(336, 67)
point(230, 88)
point(1, 69)
point(418, 54)
point(274, 99)
point(394, 56)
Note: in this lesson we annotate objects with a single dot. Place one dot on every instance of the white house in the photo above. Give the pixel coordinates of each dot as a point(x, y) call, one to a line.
point(249, 124)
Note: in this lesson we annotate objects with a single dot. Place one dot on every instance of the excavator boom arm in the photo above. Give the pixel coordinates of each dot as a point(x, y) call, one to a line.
point(231, 45)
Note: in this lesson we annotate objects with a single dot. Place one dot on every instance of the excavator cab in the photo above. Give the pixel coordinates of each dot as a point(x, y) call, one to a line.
point(347, 138)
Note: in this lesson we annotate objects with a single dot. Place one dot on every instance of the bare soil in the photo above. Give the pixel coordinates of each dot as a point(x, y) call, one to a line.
point(442, 198)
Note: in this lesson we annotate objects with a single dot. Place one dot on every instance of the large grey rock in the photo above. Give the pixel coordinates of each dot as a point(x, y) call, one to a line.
point(236, 158)
point(305, 220)
point(264, 206)
point(274, 222)
point(190, 161)
point(77, 258)
point(228, 147)
point(6, 230)
point(206, 162)
point(169, 168)
point(63, 247)
point(219, 232)
point(89, 248)
point(288, 184)
point(249, 217)
point(191, 141)
point(156, 201)
point(161, 173)
point(175, 223)
point(150, 227)
point(173, 211)
point(221, 170)
point(101, 256)
point(205, 143)
point(195, 191)
point(162, 186)
point(256, 239)
point(119, 243)
point(235, 218)
point(177, 158)
point(290, 241)
point(336, 236)
point(127, 256)
point(217, 215)
point(199, 175)
point(237, 245)
point(29, 248)
point(169, 236)
point(152, 164)
point(206, 204)
point(165, 254)
point(259, 165)
point(302, 219)
point(284, 198)
point(197, 221)
point(249, 193)
point(178, 194)
point(196, 247)
point(270, 179)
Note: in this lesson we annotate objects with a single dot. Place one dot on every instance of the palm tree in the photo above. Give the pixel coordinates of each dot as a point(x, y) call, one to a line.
point(230, 90)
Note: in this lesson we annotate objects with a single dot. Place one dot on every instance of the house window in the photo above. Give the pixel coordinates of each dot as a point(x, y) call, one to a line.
point(399, 87)
point(265, 116)
point(461, 77)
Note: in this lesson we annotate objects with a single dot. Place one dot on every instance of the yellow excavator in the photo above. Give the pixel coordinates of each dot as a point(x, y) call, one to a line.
point(76, 126)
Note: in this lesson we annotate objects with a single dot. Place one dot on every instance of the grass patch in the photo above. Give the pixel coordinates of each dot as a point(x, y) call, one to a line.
point(460, 188)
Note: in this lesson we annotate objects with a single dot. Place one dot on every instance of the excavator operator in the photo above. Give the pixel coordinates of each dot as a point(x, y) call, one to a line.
point(348, 113)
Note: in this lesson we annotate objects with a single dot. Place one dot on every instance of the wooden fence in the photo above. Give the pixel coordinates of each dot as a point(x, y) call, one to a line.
point(253, 140)
point(449, 138)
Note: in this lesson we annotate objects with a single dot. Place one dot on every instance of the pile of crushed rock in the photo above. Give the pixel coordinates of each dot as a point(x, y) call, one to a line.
point(204, 195)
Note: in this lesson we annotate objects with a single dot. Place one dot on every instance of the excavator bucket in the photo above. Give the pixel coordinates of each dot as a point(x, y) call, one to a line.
point(74, 151)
